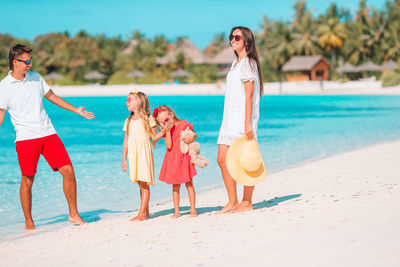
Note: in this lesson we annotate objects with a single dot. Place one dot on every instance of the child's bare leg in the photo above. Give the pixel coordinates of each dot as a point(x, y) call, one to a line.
point(175, 197)
point(147, 212)
point(144, 203)
point(192, 198)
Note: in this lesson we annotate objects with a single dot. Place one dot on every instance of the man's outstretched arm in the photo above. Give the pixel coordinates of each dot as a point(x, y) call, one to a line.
point(2, 113)
point(55, 99)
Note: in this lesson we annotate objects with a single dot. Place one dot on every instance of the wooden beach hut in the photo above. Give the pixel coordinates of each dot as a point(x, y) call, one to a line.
point(306, 68)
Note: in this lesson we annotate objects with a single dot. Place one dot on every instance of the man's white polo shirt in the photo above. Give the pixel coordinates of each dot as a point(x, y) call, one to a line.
point(24, 102)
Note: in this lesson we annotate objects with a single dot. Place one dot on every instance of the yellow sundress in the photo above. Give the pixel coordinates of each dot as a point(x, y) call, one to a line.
point(140, 151)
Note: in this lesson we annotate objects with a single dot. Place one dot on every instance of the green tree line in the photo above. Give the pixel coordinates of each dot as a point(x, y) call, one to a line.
point(370, 34)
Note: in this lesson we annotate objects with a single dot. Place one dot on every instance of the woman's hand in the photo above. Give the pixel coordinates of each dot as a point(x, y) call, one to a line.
point(125, 166)
point(248, 131)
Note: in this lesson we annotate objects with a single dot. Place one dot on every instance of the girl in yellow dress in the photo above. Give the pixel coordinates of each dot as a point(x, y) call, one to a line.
point(140, 136)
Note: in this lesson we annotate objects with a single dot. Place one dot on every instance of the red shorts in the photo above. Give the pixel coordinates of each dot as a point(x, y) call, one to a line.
point(51, 147)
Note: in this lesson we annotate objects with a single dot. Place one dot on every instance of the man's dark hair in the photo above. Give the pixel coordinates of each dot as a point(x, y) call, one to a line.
point(15, 52)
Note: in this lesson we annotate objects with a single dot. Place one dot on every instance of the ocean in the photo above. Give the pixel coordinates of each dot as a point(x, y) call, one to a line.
point(292, 130)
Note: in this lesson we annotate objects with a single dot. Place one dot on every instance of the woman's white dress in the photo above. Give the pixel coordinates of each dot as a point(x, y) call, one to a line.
point(235, 100)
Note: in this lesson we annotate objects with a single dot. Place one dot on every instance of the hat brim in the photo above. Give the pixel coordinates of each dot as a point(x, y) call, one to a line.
point(233, 164)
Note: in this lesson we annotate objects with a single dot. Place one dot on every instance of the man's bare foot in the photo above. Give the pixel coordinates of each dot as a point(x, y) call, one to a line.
point(29, 225)
point(244, 206)
point(76, 219)
point(229, 207)
point(139, 217)
point(175, 215)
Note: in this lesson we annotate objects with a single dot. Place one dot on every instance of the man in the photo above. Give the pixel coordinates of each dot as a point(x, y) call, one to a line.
point(21, 94)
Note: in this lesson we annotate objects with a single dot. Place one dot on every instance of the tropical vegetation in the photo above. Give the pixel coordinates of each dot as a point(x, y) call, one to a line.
point(370, 34)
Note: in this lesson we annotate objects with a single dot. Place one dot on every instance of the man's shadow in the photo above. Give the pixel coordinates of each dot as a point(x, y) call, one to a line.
point(260, 205)
point(87, 216)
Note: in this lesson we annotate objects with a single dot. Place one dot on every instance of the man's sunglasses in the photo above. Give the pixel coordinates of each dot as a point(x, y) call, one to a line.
point(27, 62)
point(237, 37)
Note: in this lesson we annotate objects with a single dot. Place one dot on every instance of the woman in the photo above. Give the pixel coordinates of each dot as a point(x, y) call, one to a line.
point(241, 110)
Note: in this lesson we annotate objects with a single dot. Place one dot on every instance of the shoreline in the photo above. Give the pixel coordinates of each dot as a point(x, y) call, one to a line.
point(338, 210)
point(40, 229)
point(273, 88)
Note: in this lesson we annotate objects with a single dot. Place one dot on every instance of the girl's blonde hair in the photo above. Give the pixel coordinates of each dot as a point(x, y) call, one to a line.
point(165, 108)
point(144, 113)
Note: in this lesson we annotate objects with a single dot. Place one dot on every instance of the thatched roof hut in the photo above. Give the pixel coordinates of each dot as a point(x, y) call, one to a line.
point(53, 76)
point(130, 46)
point(179, 73)
point(136, 74)
point(369, 66)
point(389, 65)
point(346, 68)
point(225, 57)
point(94, 75)
point(188, 49)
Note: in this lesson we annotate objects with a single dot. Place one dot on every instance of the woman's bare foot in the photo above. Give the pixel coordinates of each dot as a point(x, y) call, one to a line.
point(76, 219)
point(175, 215)
point(244, 206)
point(29, 225)
point(193, 213)
point(229, 207)
point(139, 217)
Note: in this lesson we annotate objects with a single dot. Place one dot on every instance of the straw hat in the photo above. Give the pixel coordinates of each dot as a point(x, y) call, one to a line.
point(245, 163)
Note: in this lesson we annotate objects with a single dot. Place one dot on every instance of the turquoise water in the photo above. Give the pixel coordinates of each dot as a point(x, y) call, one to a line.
point(292, 129)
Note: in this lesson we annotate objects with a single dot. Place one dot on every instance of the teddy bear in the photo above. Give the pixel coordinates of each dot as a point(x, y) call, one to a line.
point(193, 149)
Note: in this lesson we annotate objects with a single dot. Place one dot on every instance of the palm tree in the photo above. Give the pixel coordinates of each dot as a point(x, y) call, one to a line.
point(332, 32)
point(392, 46)
point(356, 47)
point(378, 32)
point(305, 40)
point(363, 13)
point(279, 44)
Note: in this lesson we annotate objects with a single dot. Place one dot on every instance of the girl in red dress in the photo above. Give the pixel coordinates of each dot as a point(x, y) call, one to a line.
point(176, 168)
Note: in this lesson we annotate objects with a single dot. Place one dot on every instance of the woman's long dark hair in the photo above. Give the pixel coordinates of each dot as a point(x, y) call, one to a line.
point(250, 46)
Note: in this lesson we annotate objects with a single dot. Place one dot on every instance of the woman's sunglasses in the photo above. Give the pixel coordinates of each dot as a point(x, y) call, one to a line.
point(27, 62)
point(236, 37)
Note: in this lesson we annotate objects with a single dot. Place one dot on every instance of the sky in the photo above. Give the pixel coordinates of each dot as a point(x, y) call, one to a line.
point(201, 20)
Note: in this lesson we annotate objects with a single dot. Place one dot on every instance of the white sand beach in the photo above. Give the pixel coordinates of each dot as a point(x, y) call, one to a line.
point(274, 88)
point(339, 211)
